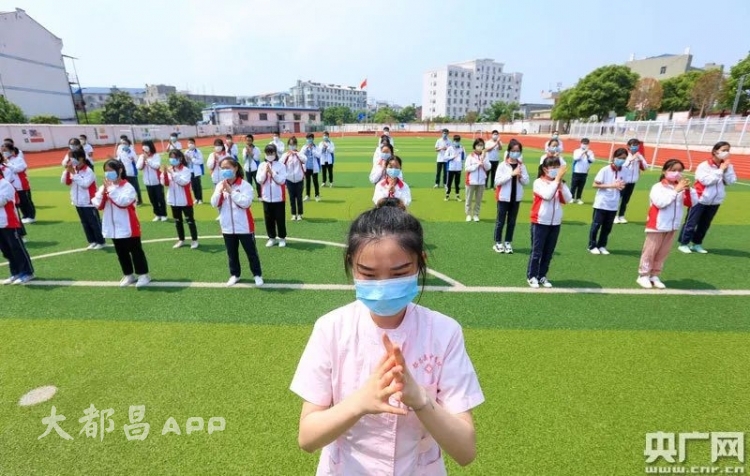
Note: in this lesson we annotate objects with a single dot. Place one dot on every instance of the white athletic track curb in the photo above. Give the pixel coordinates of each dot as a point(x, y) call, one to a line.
point(454, 286)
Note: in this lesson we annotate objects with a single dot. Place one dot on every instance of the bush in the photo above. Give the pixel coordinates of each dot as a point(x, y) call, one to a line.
point(45, 119)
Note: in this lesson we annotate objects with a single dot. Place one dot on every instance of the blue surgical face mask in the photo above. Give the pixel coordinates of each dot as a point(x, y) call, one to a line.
point(456, 144)
point(552, 173)
point(634, 148)
point(326, 139)
point(110, 175)
point(293, 147)
point(514, 155)
point(555, 136)
point(387, 297)
point(393, 173)
point(385, 155)
point(125, 148)
point(227, 174)
point(74, 162)
point(174, 162)
point(309, 141)
point(619, 163)
point(445, 136)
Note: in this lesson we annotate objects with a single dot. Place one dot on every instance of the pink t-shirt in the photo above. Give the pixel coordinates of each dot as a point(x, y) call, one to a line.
point(343, 351)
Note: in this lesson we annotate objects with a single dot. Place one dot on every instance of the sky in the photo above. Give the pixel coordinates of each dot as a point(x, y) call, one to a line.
point(248, 47)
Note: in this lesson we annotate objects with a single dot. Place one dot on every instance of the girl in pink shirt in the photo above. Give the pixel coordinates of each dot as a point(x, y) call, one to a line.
point(387, 384)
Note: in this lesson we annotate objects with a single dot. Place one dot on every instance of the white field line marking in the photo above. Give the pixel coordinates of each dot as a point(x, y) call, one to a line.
point(438, 275)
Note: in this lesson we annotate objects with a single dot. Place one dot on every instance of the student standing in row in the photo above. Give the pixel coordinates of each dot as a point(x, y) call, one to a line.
point(251, 161)
point(326, 149)
point(295, 175)
point(233, 197)
point(392, 186)
point(129, 160)
point(555, 137)
point(668, 197)
point(550, 194)
point(278, 143)
point(441, 147)
point(11, 243)
point(272, 179)
point(553, 149)
point(16, 163)
point(79, 176)
point(117, 198)
point(711, 178)
point(582, 160)
point(477, 166)
point(395, 409)
point(87, 147)
point(493, 154)
point(231, 147)
point(608, 184)
point(454, 157)
point(194, 157)
point(174, 144)
point(312, 166)
point(176, 177)
point(631, 172)
point(511, 177)
point(214, 160)
point(150, 163)
point(14, 181)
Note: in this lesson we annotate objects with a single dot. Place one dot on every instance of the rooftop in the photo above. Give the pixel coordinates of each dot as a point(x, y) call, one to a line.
point(109, 90)
point(243, 107)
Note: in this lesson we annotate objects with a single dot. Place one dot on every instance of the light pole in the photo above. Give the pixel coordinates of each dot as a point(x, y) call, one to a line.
point(739, 92)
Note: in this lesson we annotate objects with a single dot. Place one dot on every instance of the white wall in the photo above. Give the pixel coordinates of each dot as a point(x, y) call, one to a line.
point(32, 69)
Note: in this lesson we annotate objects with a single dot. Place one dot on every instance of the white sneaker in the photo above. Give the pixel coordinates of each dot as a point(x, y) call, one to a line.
point(299, 217)
point(178, 244)
point(621, 220)
point(436, 186)
point(8, 281)
point(232, 281)
point(306, 199)
point(580, 202)
point(499, 248)
point(194, 245)
point(545, 283)
point(533, 282)
point(294, 217)
point(330, 185)
point(317, 198)
point(644, 282)
point(468, 218)
point(476, 218)
point(91, 246)
point(199, 202)
point(458, 198)
point(163, 218)
point(324, 184)
point(657, 282)
point(156, 219)
point(685, 249)
point(143, 280)
point(282, 243)
point(258, 281)
point(28, 221)
point(270, 243)
point(508, 248)
point(127, 281)
point(595, 251)
point(603, 251)
point(97, 246)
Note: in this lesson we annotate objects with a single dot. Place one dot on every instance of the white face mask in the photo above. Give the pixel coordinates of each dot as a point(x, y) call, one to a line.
point(191, 146)
point(494, 136)
point(723, 155)
point(146, 149)
point(269, 158)
point(218, 148)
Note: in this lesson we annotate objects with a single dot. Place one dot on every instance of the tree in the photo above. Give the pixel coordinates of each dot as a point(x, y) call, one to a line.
point(742, 68)
point(707, 90)
point(183, 109)
point(645, 97)
point(676, 91)
point(334, 115)
point(92, 117)
point(45, 119)
point(385, 115)
point(603, 90)
point(119, 109)
point(471, 117)
point(10, 113)
point(501, 111)
point(407, 114)
point(565, 109)
point(156, 113)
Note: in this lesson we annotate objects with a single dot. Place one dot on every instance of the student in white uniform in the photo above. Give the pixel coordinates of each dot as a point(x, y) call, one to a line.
point(511, 177)
point(608, 184)
point(117, 198)
point(174, 144)
point(233, 197)
point(312, 166)
point(493, 149)
point(129, 160)
point(231, 147)
point(176, 177)
point(11, 242)
point(73, 145)
point(553, 149)
point(477, 166)
point(555, 137)
point(194, 157)
point(379, 161)
point(251, 161)
point(392, 186)
point(215, 158)
point(79, 176)
point(272, 179)
point(87, 147)
point(387, 133)
point(295, 176)
point(369, 406)
point(631, 172)
point(278, 143)
point(441, 147)
point(13, 179)
point(327, 150)
point(454, 156)
point(149, 163)
point(16, 163)
point(583, 157)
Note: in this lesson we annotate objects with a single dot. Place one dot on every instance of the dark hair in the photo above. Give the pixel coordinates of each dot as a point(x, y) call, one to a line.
point(74, 141)
point(276, 133)
point(219, 142)
point(512, 143)
point(310, 135)
point(174, 134)
point(115, 165)
point(385, 138)
point(271, 149)
point(124, 137)
point(445, 131)
point(585, 140)
point(229, 136)
point(150, 145)
point(325, 133)
point(668, 165)
point(250, 136)
point(83, 136)
point(387, 219)
point(394, 158)
point(549, 142)
point(622, 151)
point(80, 156)
point(457, 138)
point(386, 128)
point(719, 145)
point(554, 132)
point(386, 144)
point(239, 173)
point(9, 141)
point(191, 139)
point(292, 141)
point(477, 141)
point(547, 163)
point(634, 141)
point(494, 131)
point(176, 153)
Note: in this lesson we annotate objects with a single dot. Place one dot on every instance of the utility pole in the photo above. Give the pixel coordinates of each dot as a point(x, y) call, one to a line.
point(739, 92)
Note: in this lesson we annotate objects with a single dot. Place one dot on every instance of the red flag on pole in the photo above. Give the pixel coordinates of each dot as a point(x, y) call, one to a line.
point(364, 84)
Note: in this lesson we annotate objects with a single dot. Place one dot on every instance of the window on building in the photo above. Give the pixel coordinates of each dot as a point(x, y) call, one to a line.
point(281, 117)
point(297, 117)
point(243, 116)
point(312, 117)
point(663, 70)
point(263, 116)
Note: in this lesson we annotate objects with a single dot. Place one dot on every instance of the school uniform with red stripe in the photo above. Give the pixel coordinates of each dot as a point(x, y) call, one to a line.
point(401, 191)
point(82, 186)
point(272, 187)
point(118, 203)
point(666, 210)
point(8, 216)
point(711, 182)
point(235, 216)
point(19, 167)
point(178, 181)
point(549, 198)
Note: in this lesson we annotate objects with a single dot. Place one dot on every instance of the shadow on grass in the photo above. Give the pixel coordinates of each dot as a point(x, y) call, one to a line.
point(732, 253)
point(634, 253)
point(212, 249)
point(31, 244)
point(297, 245)
point(327, 200)
point(575, 283)
point(689, 284)
point(319, 220)
point(46, 222)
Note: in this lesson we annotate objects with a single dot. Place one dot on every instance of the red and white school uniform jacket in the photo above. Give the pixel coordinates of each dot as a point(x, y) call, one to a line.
point(82, 186)
point(151, 167)
point(476, 169)
point(711, 182)
point(549, 198)
point(178, 182)
point(18, 166)
point(8, 215)
point(634, 165)
point(666, 210)
point(400, 191)
point(272, 187)
point(119, 219)
point(213, 163)
point(503, 181)
point(295, 166)
point(235, 216)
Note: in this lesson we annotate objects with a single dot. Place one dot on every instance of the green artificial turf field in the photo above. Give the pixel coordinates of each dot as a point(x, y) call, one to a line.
point(573, 381)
